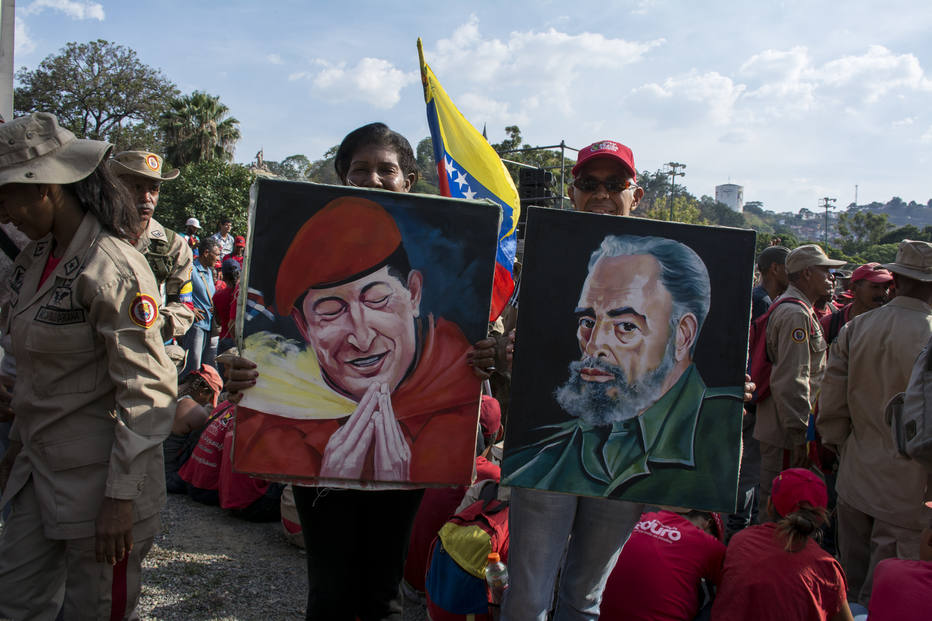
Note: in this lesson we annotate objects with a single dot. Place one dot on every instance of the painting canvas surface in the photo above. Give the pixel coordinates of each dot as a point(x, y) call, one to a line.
point(630, 359)
point(359, 307)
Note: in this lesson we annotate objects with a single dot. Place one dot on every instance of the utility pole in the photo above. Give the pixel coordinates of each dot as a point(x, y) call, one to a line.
point(673, 175)
point(7, 14)
point(827, 203)
point(855, 196)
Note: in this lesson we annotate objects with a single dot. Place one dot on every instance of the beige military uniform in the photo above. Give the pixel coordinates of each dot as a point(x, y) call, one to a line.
point(94, 399)
point(175, 263)
point(869, 363)
point(797, 349)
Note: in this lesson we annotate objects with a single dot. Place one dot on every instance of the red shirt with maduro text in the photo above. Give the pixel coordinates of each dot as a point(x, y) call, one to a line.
point(658, 571)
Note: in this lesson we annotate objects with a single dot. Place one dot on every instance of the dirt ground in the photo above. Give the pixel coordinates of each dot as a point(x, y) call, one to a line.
point(206, 565)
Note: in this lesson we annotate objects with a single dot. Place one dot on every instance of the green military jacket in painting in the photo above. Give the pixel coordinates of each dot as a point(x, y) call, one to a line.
point(681, 451)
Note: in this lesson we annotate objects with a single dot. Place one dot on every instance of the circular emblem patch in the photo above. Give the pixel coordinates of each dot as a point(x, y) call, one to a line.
point(799, 335)
point(143, 310)
point(152, 161)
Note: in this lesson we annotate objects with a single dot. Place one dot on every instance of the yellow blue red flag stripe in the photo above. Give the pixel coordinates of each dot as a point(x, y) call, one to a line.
point(468, 167)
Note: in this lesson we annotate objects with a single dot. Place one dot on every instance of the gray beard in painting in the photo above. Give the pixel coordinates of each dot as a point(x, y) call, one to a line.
point(604, 403)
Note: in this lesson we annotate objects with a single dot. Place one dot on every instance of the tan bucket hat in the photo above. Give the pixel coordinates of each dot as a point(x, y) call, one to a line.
point(141, 163)
point(913, 260)
point(34, 149)
point(808, 255)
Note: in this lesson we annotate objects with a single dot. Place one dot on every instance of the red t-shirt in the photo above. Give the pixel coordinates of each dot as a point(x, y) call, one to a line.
point(224, 309)
point(202, 470)
point(762, 581)
point(902, 591)
point(657, 574)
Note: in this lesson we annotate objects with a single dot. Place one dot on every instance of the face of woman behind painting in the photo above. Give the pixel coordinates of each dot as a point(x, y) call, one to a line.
point(28, 208)
point(376, 166)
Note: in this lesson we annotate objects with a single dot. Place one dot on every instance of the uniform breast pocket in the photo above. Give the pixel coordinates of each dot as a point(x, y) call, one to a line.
point(64, 359)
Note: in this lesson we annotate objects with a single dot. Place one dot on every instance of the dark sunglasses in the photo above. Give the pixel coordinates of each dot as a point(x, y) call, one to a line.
point(588, 184)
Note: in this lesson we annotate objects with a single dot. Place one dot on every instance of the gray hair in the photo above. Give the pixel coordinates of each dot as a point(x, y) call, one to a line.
point(682, 272)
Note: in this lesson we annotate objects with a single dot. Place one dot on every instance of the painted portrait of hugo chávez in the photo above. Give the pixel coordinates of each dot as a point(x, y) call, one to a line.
point(361, 307)
point(630, 359)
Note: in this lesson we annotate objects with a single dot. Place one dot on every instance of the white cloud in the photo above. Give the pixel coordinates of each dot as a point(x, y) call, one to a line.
point(926, 138)
point(542, 57)
point(875, 73)
point(487, 110)
point(562, 67)
point(297, 75)
point(23, 43)
point(72, 8)
point(274, 59)
point(908, 121)
point(373, 80)
point(689, 98)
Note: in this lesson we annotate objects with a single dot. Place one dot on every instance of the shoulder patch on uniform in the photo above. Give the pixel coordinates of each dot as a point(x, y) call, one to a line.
point(155, 233)
point(143, 310)
point(40, 248)
point(799, 335)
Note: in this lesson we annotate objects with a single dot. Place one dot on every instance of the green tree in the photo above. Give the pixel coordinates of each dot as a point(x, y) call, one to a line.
point(206, 190)
point(198, 128)
point(293, 167)
point(715, 212)
point(685, 209)
point(881, 253)
point(426, 164)
point(863, 226)
point(754, 207)
point(904, 232)
point(322, 170)
point(98, 90)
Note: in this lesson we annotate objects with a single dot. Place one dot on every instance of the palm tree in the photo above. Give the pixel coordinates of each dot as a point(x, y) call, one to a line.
point(196, 129)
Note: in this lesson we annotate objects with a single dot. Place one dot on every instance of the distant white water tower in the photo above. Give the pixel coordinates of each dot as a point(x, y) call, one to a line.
point(732, 195)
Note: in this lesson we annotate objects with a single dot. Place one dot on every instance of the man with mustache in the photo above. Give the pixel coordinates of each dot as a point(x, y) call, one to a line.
point(167, 252)
point(644, 425)
point(870, 284)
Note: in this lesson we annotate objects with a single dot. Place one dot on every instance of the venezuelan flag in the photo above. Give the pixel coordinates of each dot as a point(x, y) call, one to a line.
point(468, 167)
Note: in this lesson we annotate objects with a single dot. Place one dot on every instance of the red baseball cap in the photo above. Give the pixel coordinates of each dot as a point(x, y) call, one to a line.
point(872, 272)
point(608, 149)
point(239, 241)
point(210, 375)
point(490, 415)
point(796, 485)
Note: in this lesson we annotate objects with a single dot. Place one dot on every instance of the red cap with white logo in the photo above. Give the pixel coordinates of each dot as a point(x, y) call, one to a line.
point(608, 149)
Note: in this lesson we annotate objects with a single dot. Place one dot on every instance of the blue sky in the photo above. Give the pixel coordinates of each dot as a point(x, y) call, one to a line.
point(794, 100)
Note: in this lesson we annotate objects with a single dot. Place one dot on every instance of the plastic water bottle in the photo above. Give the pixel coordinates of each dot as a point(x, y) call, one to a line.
point(496, 576)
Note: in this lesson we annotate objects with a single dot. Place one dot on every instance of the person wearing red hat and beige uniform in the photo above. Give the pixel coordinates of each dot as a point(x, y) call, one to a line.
point(797, 348)
point(776, 571)
point(869, 286)
point(167, 252)
point(880, 514)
